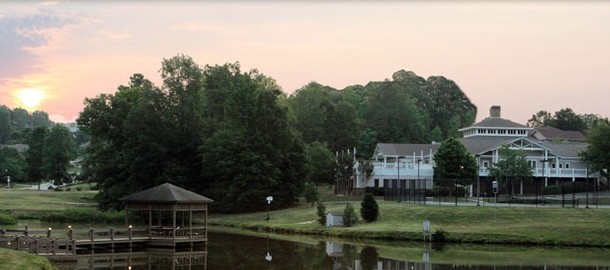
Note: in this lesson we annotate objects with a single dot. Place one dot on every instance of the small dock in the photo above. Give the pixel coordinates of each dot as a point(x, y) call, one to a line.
point(69, 242)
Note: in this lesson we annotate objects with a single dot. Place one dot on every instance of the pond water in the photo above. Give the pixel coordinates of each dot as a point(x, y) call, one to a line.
point(241, 250)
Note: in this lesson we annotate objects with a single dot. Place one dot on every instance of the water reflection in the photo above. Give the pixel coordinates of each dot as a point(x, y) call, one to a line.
point(264, 251)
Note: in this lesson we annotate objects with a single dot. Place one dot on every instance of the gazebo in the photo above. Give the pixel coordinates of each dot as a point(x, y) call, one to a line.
point(164, 203)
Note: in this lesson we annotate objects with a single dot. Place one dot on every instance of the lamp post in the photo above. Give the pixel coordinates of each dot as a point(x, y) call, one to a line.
point(544, 161)
point(419, 161)
point(398, 177)
point(269, 200)
point(478, 178)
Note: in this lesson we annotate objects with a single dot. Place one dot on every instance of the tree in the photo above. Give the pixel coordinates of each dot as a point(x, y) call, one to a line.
point(597, 154)
point(11, 164)
point(540, 119)
point(310, 192)
point(59, 149)
point(349, 215)
point(344, 172)
point(40, 119)
point(321, 212)
point(250, 150)
point(319, 163)
point(452, 161)
point(5, 124)
point(35, 154)
point(512, 167)
point(369, 210)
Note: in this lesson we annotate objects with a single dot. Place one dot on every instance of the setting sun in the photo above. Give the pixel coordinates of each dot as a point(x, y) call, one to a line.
point(30, 97)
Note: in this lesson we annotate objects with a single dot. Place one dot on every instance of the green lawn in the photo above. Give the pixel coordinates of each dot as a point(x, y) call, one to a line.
point(18, 260)
point(19, 199)
point(548, 226)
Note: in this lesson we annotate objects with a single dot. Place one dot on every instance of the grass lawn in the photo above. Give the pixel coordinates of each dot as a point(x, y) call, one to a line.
point(469, 224)
point(20, 199)
point(18, 260)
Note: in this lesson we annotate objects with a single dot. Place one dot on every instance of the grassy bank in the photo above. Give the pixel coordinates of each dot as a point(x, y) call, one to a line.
point(486, 225)
point(17, 260)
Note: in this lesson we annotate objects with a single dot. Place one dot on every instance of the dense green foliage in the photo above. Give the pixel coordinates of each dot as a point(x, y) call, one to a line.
point(321, 212)
point(7, 219)
point(407, 109)
point(511, 169)
point(369, 210)
point(310, 192)
point(597, 154)
point(83, 216)
point(565, 119)
point(452, 161)
point(216, 130)
point(349, 215)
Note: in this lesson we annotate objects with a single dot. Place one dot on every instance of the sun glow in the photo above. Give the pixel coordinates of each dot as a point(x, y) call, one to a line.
point(30, 97)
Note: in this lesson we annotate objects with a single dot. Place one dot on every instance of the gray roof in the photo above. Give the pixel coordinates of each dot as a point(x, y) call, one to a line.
point(567, 149)
point(551, 133)
point(494, 122)
point(481, 144)
point(397, 149)
point(166, 193)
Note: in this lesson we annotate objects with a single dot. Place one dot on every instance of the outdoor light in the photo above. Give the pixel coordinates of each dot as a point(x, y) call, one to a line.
point(269, 200)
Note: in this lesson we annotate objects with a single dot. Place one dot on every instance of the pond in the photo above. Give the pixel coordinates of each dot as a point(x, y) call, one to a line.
point(248, 250)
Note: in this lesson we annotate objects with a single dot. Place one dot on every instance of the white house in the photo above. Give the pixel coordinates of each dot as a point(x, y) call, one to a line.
point(553, 155)
point(334, 219)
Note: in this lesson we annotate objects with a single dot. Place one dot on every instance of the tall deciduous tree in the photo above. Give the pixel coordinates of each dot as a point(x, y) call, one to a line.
point(319, 163)
point(5, 124)
point(251, 152)
point(59, 149)
point(597, 154)
point(452, 161)
point(34, 155)
point(512, 168)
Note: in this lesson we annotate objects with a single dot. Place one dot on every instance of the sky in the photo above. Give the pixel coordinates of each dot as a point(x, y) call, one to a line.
point(524, 56)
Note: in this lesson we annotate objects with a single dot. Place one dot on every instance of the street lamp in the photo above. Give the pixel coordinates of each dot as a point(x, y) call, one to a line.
point(544, 161)
point(418, 183)
point(398, 177)
point(269, 200)
point(478, 178)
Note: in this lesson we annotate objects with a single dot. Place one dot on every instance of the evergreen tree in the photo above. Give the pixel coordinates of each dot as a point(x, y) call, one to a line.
point(369, 210)
point(321, 212)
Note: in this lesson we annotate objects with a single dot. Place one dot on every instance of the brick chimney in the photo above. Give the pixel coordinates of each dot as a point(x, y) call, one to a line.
point(494, 111)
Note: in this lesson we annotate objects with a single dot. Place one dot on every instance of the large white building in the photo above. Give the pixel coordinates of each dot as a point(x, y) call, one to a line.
point(553, 155)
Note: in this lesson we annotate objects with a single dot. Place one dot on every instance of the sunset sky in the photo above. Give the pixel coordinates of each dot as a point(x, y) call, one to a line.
point(525, 56)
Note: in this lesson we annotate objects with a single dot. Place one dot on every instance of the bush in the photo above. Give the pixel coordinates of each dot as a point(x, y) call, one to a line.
point(83, 216)
point(369, 209)
point(310, 193)
point(440, 235)
point(349, 215)
point(79, 188)
point(7, 219)
point(321, 213)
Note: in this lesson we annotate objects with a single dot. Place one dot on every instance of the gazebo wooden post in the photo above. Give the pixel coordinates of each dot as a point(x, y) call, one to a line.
point(174, 222)
point(190, 221)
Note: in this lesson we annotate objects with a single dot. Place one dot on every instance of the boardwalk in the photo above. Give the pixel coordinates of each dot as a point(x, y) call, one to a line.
point(70, 242)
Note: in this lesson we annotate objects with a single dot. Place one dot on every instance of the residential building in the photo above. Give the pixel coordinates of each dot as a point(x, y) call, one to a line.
point(552, 154)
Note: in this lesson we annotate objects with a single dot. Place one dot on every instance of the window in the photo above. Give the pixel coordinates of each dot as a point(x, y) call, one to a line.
point(532, 163)
point(567, 165)
point(376, 183)
point(485, 164)
point(553, 165)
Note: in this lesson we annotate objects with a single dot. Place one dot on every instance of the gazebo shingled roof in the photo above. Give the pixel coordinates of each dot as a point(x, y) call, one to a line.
point(166, 193)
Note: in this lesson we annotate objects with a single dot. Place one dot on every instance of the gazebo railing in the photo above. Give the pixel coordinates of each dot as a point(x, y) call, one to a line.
point(167, 232)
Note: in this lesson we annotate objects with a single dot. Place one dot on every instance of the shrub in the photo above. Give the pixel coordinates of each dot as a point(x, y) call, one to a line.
point(79, 188)
point(310, 193)
point(440, 235)
point(369, 209)
point(321, 213)
point(349, 215)
point(7, 219)
point(83, 216)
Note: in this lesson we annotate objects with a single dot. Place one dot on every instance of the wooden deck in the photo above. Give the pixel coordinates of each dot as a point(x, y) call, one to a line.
point(55, 243)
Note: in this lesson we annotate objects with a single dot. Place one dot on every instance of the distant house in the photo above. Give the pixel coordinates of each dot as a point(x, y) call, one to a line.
point(334, 219)
point(553, 155)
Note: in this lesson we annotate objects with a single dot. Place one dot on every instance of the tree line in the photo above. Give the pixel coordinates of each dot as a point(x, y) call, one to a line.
point(49, 147)
point(234, 136)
